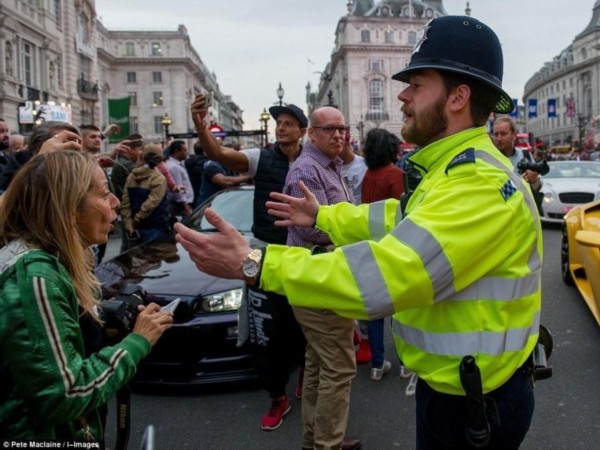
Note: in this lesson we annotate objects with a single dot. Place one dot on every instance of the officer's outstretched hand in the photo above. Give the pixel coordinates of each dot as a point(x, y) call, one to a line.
point(300, 212)
point(219, 254)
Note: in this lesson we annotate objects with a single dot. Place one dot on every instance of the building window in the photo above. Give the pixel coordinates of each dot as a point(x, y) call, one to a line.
point(156, 50)
point(8, 58)
point(412, 37)
point(58, 13)
point(365, 36)
point(376, 64)
point(27, 63)
point(132, 98)
point(389, 37)
point(52, 76)
point(85, 66)
point(157, 77)
point(157, 99)
point(376, 96)
point(158, 126)
point(133, 125)
point(86, 116)
point(129, 49)
point(131, 77)
point(83, 30)
point(59, 72)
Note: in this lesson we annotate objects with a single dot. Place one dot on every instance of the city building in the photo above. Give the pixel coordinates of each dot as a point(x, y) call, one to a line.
point(58, 61)
point(161, 73)
point(373, 41)
point(563, 98)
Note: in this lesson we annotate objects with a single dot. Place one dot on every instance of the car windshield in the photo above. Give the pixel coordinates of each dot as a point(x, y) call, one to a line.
point(235, 206)
point(567, 169)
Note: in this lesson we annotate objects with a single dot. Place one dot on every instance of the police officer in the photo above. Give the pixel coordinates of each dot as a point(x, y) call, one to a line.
point(459, 269)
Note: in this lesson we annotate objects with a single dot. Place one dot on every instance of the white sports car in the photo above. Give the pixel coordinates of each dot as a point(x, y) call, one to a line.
point(568, 184)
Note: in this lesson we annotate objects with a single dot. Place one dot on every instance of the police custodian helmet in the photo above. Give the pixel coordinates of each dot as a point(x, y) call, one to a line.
point(461, 44)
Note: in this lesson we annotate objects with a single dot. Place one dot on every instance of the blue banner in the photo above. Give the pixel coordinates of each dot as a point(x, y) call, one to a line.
point(515, 112)
point(532, 108)
point(551, 107)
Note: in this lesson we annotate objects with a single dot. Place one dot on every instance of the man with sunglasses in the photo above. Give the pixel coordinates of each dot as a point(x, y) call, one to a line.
point(330, 362)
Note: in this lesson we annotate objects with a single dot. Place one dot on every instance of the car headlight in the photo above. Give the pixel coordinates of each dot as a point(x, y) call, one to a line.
point(548, 197)
point(222, 301)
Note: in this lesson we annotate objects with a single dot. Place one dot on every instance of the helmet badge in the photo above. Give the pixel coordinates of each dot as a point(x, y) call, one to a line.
point(422, 38)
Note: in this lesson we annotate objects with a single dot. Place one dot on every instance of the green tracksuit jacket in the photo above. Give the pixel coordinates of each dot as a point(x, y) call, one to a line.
point(49, 389)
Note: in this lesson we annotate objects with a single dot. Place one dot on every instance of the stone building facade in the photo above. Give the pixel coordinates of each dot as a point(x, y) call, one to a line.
point(58, 53)
point(373, 41)
point(571, 82)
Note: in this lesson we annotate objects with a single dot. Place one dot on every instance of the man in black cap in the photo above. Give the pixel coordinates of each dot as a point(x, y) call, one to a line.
point(273, 330)
point(459, 267)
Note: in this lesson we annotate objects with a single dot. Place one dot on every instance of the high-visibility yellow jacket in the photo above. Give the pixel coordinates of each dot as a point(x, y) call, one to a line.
point(461, 272)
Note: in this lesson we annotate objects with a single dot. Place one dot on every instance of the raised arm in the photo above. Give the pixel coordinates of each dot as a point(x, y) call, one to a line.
point(229, 157)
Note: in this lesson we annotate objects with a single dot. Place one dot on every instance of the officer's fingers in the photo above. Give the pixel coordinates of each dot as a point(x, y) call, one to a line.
point(218, 222)
point(307, 193)
point(279, 206)
point(279, 213)
point(188, 237)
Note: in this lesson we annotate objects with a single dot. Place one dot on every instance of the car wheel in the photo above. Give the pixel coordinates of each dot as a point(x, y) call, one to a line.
point(564, 259)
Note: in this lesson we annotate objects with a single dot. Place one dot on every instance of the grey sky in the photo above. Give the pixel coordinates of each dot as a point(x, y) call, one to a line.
point(254, 45)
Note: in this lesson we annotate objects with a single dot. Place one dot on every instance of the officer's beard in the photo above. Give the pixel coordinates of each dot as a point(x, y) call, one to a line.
point(426, 126)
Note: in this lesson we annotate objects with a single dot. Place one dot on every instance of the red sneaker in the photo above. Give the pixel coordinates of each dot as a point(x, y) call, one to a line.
point(274, 416)
point(300, 381)
point(363, 355)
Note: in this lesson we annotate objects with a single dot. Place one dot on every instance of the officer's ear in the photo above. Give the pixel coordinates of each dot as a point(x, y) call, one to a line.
point(459, 98)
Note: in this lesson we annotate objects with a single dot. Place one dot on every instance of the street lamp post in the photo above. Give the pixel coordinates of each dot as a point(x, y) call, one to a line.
point(166, 123)
point(280, 93)
point(264, 118)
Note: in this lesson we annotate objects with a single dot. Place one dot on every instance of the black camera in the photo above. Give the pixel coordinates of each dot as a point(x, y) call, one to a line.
point(540, 167)
point(119, 313)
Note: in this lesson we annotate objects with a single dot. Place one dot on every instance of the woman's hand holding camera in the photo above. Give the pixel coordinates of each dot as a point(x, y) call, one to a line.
point(151, 322)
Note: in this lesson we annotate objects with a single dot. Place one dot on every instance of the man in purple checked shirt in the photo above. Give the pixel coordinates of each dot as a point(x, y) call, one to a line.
point(330, 363)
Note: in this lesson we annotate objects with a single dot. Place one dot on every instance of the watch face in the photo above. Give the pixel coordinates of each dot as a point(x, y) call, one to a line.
point(250, 268)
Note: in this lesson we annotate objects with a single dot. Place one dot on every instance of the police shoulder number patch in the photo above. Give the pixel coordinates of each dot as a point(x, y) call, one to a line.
point(466, 156)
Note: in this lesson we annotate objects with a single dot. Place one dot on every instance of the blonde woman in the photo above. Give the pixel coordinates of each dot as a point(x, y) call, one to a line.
point(55, 376)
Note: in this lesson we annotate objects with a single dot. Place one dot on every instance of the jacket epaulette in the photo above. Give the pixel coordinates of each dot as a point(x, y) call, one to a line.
point(466, 156)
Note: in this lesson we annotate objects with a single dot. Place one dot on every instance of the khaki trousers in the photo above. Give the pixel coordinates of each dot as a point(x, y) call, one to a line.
point(328, 373)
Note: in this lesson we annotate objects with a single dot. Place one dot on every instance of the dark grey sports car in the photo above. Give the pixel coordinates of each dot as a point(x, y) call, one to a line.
point(201, 347)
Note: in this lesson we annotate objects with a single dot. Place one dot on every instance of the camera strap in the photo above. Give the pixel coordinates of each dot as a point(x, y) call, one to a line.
point(123, 417)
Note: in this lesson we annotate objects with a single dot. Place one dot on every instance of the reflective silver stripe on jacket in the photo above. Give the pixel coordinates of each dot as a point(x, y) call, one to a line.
point(377, 219)
point(534, 262)
point(373, 288)
point(514, 177)
point(431, 254)
point(371, 284)
point(468, 343)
